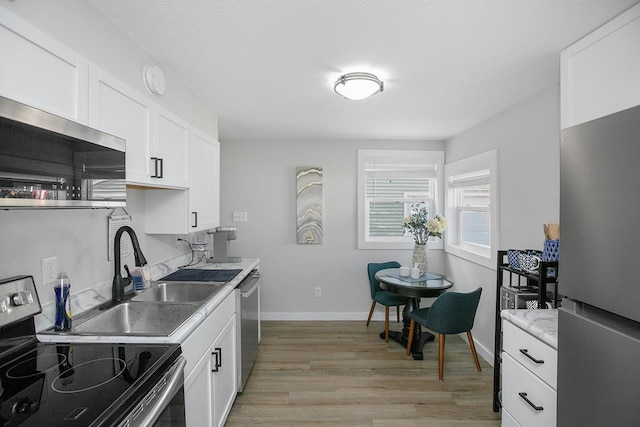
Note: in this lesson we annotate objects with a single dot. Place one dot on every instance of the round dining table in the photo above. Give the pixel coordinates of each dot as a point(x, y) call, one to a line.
point(429, 285)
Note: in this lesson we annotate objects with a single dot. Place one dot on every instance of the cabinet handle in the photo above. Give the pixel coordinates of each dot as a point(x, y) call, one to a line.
point(218, 354)
point(523, 395)
point(155, 167)
point(526, 353)
point(195, 219)
point(161, 174)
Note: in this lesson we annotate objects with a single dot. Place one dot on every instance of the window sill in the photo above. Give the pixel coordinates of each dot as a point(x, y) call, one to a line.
point(398, 245)
point(476, 258)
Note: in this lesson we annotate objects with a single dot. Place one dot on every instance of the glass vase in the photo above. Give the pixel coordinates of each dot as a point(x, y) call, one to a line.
point(420, 258)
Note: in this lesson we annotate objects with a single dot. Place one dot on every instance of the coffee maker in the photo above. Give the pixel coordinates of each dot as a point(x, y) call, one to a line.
point(221, 238)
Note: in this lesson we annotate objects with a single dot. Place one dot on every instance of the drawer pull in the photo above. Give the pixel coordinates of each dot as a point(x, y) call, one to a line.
point(533, 405)
point(526, 353)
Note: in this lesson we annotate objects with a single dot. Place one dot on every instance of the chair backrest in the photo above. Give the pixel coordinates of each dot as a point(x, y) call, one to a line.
point(373, 268)
point(453, 312)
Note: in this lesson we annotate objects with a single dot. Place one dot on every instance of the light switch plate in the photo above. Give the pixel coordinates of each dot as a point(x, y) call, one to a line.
point(49, 269)
point(239, 217)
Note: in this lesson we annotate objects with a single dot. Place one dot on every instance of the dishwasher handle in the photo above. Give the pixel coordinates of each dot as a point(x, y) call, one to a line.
point(250, 282)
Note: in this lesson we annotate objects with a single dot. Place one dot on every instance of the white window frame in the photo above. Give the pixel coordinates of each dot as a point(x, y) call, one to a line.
point(478, 254)
point(435, 205)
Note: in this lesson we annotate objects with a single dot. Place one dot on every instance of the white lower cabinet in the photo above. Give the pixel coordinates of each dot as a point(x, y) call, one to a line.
point(529, 374)
point(224, 373)
point(211, 371)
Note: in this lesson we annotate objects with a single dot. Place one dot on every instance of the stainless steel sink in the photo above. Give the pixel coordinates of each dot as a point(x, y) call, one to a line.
point(179, 292)
point(133, 318)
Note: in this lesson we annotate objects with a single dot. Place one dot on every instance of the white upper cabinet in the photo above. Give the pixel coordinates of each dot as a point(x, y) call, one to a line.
point(180, 212)
point(204, 181)
point(170, 152)
point(41, 72)
point(157, 141)
point(117, 109)
point(600, 74)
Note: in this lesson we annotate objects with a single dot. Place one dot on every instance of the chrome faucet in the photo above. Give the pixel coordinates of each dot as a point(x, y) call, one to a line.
point(119, 283)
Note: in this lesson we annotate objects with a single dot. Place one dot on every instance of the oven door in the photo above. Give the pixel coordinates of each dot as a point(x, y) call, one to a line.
point(164, 404)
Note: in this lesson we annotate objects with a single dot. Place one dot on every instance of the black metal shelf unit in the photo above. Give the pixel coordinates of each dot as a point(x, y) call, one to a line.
point(520, 281)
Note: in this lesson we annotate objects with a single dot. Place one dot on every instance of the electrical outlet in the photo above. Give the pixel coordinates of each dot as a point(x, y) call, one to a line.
point(49, 269)
point(318, 291)
point(239, 217)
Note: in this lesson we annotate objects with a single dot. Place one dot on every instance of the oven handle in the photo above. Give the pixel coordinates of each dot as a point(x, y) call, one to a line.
point(173, 384)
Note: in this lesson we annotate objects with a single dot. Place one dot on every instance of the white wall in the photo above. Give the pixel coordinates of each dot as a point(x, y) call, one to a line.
point(78, 238)
point(527, 138)
point(259, 177)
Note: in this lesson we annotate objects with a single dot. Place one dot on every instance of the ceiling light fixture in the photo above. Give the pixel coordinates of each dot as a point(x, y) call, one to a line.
point(358, 85)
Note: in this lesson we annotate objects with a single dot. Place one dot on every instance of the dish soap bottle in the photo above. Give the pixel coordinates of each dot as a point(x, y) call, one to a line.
point(62, 290)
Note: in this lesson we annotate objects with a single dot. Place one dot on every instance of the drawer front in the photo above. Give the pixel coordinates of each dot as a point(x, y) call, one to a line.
point(538, 357)
point(197, 344)
point(507, 419)
point(518, 385)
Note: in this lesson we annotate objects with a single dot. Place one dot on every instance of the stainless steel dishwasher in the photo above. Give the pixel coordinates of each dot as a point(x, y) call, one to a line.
point(248, 326)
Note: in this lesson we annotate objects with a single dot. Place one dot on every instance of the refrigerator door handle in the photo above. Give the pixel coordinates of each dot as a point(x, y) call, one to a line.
point(526, 353)
point(533, 405)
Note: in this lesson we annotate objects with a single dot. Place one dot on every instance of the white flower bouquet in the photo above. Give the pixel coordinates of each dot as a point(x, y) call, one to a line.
point(421, 226)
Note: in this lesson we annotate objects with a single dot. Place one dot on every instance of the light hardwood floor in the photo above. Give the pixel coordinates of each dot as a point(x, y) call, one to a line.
point(343, 374)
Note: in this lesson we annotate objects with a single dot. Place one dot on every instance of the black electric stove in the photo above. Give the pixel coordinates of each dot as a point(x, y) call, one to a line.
point(70, 384)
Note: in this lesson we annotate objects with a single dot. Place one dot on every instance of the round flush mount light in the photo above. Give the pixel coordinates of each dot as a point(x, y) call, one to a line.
point(358, 85)
point(154, 79)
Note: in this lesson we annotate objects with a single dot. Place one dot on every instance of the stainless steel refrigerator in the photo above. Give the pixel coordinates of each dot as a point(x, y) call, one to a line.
point(599, 321)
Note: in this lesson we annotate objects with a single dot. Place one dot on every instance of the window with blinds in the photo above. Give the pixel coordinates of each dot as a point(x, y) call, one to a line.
point(471, 186)
point(391, 181)
point(472, 199)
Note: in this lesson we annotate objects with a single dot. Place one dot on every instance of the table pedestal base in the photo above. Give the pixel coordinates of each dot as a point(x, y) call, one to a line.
point(419, 339)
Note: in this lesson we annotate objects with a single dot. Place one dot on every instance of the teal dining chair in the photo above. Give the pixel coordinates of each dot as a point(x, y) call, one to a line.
point(386, 298)
point(450, 313)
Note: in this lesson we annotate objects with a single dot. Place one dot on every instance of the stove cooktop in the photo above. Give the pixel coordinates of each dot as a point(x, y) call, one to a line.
point(79, 384)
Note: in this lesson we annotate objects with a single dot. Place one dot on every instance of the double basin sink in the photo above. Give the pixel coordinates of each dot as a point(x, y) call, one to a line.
point(158, 311)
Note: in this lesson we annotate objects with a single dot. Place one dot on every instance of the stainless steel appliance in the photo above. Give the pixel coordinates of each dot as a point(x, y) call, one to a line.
point(599, 321)
point(81, 384)
point(221, 247)
point(514, 298)
point(47, 161)
point(248, 327)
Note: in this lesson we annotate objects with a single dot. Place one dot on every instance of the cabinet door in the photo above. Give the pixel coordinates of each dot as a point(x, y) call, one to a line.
point(198, 402)
point(224, 383)
point(38, 71)
point(204, 182)
point(600, 72)
point(116, 109)
point(182, 212)
point(171, 148)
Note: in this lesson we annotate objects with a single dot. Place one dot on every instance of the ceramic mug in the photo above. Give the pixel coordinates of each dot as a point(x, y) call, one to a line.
point(404, 271)
point(529, 260)
point(512, 256)
point(415, 273)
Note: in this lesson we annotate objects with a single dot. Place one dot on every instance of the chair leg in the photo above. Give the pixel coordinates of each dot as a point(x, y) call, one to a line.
point(441, 356)
point(386, 323)
point(412, 329)
point(373, 305)
point(473, 350)
point(397, 313)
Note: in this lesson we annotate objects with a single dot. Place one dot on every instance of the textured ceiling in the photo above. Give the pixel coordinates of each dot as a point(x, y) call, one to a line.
point(267, 67)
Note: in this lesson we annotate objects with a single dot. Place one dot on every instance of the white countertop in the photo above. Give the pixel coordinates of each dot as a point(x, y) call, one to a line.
point(542, 324)
point(187, 328)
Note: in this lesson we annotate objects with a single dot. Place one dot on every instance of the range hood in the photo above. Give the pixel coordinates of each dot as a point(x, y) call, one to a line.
point(47, 161)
